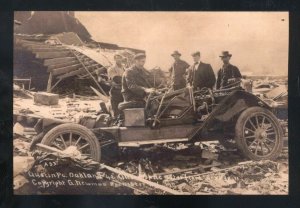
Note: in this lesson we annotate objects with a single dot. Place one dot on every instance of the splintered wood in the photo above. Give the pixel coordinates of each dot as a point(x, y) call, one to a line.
point(250, 177)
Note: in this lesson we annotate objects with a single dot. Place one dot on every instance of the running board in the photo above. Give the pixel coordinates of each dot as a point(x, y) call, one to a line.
point(157, 141)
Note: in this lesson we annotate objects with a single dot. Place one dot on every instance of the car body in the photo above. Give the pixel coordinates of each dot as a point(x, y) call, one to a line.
point(184, 115)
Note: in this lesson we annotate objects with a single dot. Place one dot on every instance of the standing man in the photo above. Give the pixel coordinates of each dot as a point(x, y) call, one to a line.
point(200, 74)
point(135, 84)
point(228, 74)
point(178, 71)
point(115, 74)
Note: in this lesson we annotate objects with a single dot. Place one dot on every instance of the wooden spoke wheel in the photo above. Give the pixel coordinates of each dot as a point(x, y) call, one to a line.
point(73, 138)
point(259, 134)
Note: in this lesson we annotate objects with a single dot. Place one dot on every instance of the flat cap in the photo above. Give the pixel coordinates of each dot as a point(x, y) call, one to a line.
point(139, 56)
point(196, 53)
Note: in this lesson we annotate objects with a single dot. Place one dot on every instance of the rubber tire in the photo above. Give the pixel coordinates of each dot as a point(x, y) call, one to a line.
point(79, 129)
point(239, 132)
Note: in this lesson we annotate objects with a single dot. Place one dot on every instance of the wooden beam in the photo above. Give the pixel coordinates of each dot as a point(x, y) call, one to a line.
point(65, 69)
point(72, 73)
point(33, 47)
point(49, 82)
point(56, 84)
point(76, 72)
point(142, 180)
point(52, 49)
point(93, 72)
point(46, 55)
point(188, 169)
point(100, 95)
point(33, 44)
point(50, 67)
point(55, 66)
point(48, 62)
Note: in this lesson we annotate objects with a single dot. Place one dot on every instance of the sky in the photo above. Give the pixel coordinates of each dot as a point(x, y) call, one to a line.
point(258, 41)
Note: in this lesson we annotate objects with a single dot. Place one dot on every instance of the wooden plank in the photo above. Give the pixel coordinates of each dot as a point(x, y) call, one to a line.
point(46, 55)
point(33, 47)
point(188, 169)
point(78, 68)
point(94, 72)
point(48, 62)
point(157, 141)
point(76, 72)
point(65, 69)
point(49, 82)
point(56, 66)
point(142, 180)
point(47, 148)
point(100, 95)
point(56, 84)
point(32, 44)
point(72, 73)
point(52, 49)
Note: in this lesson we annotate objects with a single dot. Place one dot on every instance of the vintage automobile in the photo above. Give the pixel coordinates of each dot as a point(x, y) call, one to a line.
point(184, 116)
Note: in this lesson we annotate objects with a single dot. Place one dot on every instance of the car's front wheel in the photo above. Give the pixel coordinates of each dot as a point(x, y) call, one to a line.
point(258, 134)
point(73, 137)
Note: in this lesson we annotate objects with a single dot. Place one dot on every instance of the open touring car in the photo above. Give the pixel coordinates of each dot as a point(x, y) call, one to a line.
point(185, 116)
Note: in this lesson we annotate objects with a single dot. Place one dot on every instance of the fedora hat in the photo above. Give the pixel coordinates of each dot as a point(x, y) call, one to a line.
point(225, 54)
point(176, 53)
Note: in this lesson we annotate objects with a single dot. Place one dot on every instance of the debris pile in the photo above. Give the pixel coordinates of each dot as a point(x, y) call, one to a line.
point(174, 169)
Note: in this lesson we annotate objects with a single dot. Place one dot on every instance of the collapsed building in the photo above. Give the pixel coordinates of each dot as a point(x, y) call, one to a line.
point(54, 52)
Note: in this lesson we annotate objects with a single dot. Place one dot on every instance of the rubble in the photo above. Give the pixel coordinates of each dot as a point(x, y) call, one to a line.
point(22, 164)
point(45, 98)
point(150, 175)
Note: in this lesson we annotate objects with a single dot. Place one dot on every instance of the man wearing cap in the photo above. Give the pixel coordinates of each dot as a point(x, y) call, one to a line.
point(115, 74)
point(200, 74)
point(229, 74)
point(178, 71)
point(135, 85)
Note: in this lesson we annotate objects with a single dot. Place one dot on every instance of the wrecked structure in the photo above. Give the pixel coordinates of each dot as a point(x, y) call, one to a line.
point(59, 52)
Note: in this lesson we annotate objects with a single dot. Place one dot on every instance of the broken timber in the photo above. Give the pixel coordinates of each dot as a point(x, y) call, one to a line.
point(53, 61)
point(61, 62)
point(150, 183)
point(44, 55)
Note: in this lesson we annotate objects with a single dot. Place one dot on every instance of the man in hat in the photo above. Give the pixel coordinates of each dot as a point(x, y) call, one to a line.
point(200, 74)
point(178, 71)
point(135, 85)
point(229, 74)
point(115, 74)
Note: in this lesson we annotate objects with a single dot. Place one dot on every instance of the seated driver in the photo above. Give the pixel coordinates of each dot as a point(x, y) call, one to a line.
point(135, 84)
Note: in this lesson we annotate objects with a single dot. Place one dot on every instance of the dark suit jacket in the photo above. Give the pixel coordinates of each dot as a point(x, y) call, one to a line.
point(224, 74)
point(134, 82)
point(201, 77)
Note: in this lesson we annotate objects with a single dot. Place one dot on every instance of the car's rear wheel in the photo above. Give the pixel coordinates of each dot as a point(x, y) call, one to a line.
point(74, 137)
point(258, 134)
